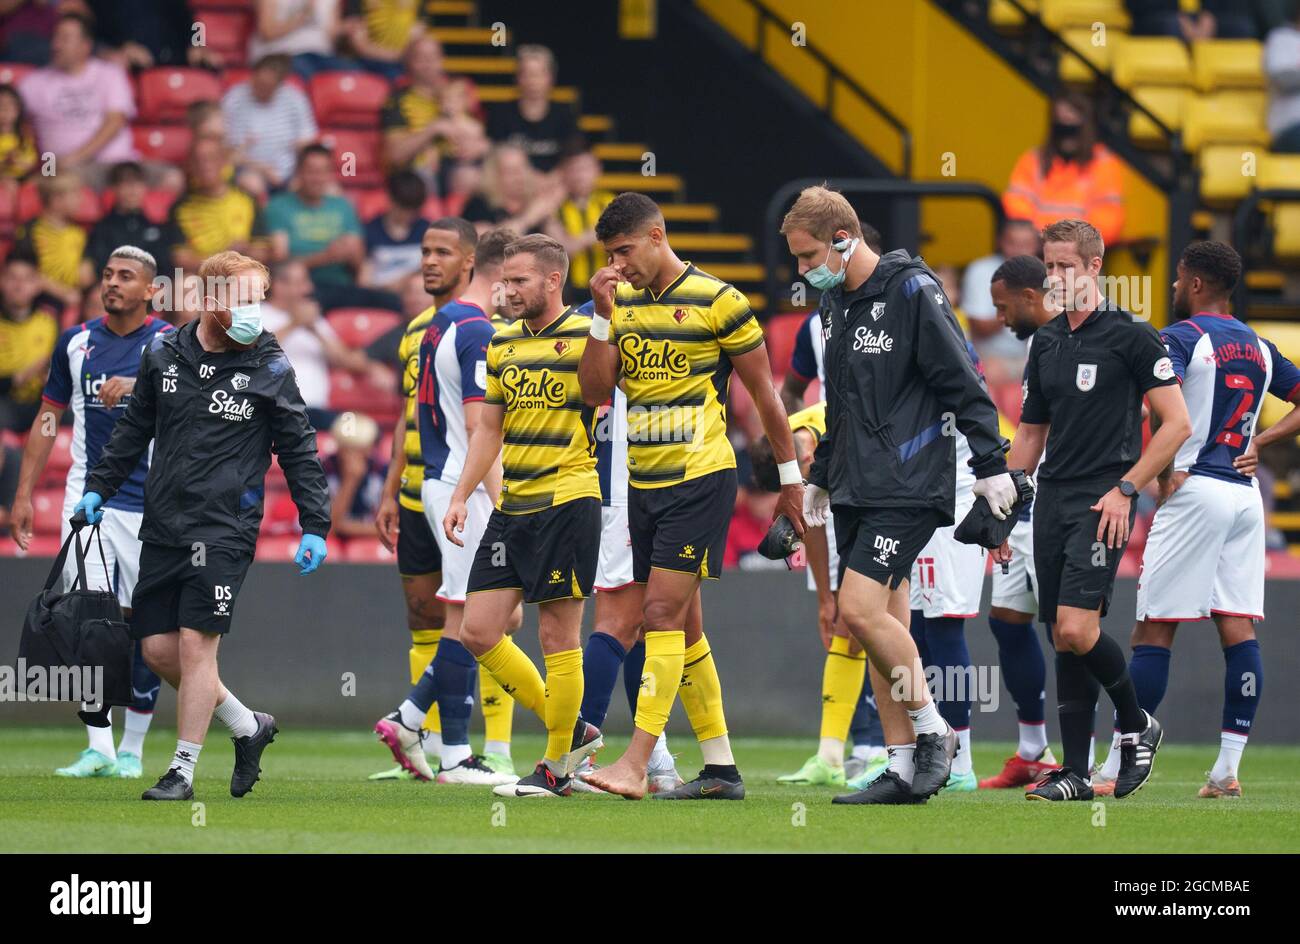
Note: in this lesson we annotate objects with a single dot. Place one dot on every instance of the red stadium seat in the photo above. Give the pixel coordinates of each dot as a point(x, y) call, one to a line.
point(356, 154)
point(357, 327)
point(158, 204)
point(165, 93)
point(29, 205)
point(372, 201)
point(167, 143)
point(60, 461)
point(232, 77)
point(71, 316)
point(348, 392)
point(11, 73)
point(348, 99)
point(780, 332)
point(368, 551)
point(281, 548)
point(47, 511)
point(226, 33)
point(325, 444)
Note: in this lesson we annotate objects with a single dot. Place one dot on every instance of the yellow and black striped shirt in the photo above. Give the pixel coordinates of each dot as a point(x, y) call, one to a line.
point(410, 110)
point(675, 352)
point(58, 249)
point(577, 220)
point(408, 352)
point(549, 451)
point(389, 22)
point(811, 418)
point(214, 224)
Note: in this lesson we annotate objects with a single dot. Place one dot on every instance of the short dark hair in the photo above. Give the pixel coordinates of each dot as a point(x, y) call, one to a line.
point(491, 250)
point(86, 23)
point(762, 465)
point(464, 230)
point(547, 252)
point(309, 149)
point(1022, 272)
point(124, 171)
point(406, 189)
point(23, 255)
point(871, 237)
point(1215, 262)
point(627, 213)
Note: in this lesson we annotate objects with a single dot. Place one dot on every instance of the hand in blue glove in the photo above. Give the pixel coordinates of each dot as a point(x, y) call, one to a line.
point(88, 505)
point(311, 553)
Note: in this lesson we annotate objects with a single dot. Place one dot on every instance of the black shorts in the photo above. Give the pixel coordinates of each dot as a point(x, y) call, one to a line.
point(882, 543)
point(682, 527)
point(1072, 566)
point(181, 586)
point(417, 549)
point(549, 554)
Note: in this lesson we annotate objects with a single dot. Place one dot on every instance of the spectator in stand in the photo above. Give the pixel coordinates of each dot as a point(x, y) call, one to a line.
point(267, 122)
point(393, 238)
point(11, 461)
point(26, 27)
point(574, 226)
point(141, 34)
point(17, 146)
point(514, 194)
point(321, 229)
point(465, 144)
point(127, 225)
point(311, 345)
point(1207, 19)
point(378, 32)
point(1282, 66)
point(54, 239)
point(992, 339)
point(750, 520)
point(214, 215)
point(305, 30)
point(383, 349)
point(29, 326)
point(542, 128)
point(355, 478)
point(1070, 175)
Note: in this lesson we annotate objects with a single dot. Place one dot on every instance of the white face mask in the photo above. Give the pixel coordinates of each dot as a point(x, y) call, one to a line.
point(245, 323)
point(822, 278)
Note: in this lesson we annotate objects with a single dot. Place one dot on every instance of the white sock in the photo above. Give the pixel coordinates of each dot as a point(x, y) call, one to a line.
point(453, 754)
point(1110, 767)
point(237, 719)
point(927, 720)
point(831, 750)
point(717, 751)
point(412, 717)
point(1033, 740)
point(497, 747)
point(137, 726)
point(1230, 747)
point(961, 762)
point(431, 741)
point(660, 758)
point(1092, 754)
point(869, 752)
point(901, 760)
point(101, 739)
point(186, 756)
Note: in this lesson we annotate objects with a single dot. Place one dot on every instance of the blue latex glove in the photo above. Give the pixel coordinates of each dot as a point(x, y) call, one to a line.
point(88, 504)
point(311, 553)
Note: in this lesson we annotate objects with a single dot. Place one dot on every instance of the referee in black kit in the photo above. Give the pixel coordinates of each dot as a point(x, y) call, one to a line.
point(1087, 372)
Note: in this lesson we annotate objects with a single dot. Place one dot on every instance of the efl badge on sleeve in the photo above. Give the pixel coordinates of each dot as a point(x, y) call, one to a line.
point(1085, 378)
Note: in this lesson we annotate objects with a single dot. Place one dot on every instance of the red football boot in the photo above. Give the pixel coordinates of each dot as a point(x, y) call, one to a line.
point(1017, 772)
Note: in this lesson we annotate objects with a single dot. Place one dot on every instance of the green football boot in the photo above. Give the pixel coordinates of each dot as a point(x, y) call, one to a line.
point(815, 772)
point(89, 763)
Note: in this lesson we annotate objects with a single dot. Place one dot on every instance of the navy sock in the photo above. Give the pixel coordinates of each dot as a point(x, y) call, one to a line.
point(601, 660)
point(919, 637)
point(865, 728)
point(453, 667)
point(1076, 692)
point(1023, 668)
point(1105, 660)
point(145, 681)
point(633, 666)
point(425, 690)
point(945, 641)
point(1149, 669)
point(1243, 681)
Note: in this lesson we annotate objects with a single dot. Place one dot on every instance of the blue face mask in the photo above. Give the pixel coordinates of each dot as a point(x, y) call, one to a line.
point(245, 323)
point(822, 278)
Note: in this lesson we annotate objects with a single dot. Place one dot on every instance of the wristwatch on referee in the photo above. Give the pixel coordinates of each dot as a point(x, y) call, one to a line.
point(1127, 489)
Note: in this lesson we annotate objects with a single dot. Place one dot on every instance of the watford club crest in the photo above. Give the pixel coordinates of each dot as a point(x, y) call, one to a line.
point(561, 347)
point(680, 315)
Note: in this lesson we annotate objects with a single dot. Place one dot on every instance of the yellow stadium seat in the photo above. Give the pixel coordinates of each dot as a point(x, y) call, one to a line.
point(1225, 118)
point(1004, 16)
point(1286, 231)
point(1167, 103)
point(1060, 14)
point(1080, 39)
point(1286, 336)
point(1150, 60)
point(1227, 64)
point(1223, 177)
point(1278, 172)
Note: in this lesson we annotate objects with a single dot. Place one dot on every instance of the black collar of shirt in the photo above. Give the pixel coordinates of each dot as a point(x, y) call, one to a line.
point(550, 328)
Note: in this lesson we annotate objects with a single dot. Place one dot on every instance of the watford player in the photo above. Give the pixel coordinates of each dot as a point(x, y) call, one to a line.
point(673, 334)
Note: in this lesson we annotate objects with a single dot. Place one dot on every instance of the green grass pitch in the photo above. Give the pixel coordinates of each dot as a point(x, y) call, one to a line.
point(314, 798)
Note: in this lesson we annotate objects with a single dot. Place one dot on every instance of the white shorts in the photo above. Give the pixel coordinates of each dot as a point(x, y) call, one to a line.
point(1017, 589)
point(119, 531)
point(833, 562)
point(456, 561)
point(614, 566)
point(1205, 554)
point(948, 577)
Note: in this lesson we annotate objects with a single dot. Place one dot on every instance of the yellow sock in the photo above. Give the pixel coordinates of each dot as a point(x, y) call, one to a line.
point(424, 646)
point(701, 691)
point(517, 675)
point(841, 688)
point(665, 652)
point(498, 708)
point(563, 699)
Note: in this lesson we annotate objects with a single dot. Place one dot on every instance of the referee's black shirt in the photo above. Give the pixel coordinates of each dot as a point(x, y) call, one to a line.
point(1088, 384)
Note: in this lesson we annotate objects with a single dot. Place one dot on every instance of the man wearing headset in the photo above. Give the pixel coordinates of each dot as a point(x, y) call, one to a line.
point(899, 386)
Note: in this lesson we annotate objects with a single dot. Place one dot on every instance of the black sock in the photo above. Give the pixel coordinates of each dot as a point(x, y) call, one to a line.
point(726, 772)
point(1108, 666)
point(1076, 692)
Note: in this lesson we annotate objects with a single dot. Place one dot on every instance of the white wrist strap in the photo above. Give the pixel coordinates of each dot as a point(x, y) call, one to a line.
point(599, 328)
point(789, 472)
